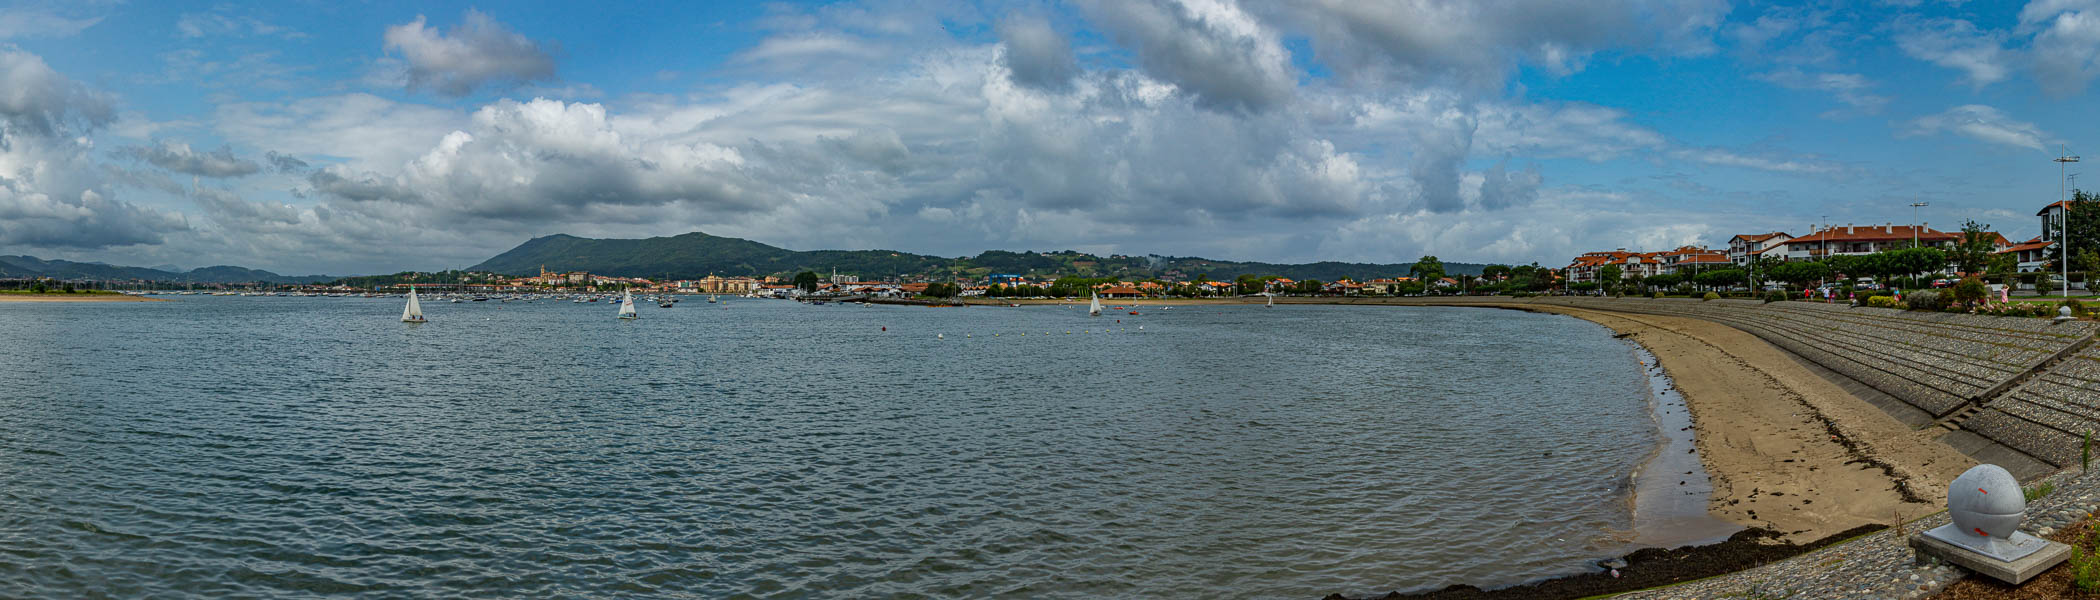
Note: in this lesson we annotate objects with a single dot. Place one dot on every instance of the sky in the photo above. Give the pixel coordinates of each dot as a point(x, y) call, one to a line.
point(346, 137)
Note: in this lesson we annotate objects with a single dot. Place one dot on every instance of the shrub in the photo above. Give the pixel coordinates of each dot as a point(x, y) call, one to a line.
point(1658, 295)
point(1970, 291)
point(2037, 492)
point(1883, 302)
point(1710, 296)
point(2085, 564)
point(1924, 300)
point(2017, 309)
point(1775, 296)
point(2077, 308)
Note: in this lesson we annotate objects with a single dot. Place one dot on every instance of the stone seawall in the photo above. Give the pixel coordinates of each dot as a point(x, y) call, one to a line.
point(2029, 384)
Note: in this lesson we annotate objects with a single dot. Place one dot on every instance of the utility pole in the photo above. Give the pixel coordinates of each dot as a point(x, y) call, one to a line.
point(2063, 218)
point(1914, 221)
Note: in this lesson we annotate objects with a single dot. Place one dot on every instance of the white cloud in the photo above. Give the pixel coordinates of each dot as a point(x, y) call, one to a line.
point(479, 51)
point(1220, 54)
point(2067, 43)
point(219, 23)
point(53, 194)
point(38, 100)
point(1036, 54)
point(1850, 88)
point(19, 22)
point(1476, 44)
point(1957, 44)
point(1983, 124)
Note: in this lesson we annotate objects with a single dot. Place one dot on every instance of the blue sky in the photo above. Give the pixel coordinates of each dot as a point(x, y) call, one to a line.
point(322, 137)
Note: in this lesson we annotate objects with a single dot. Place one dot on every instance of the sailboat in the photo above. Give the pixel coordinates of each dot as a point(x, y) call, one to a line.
point(1272, 300)
point(413, 313)
point(627, 305)
point(1094, 309)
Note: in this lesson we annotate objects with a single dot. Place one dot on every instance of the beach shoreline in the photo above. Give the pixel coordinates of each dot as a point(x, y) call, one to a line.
point(1793, 458)
point(77, 298)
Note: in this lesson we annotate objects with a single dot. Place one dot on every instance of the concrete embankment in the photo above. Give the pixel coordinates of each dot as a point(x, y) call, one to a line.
point(2029, 385)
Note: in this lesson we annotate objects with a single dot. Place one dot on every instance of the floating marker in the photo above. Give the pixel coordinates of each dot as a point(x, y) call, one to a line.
point(940, 336)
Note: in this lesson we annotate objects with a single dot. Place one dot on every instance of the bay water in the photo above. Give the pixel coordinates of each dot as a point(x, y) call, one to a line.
point(289, 447)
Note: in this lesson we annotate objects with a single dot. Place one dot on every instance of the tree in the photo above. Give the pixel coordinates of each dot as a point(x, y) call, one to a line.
point(1427, 269)
point(2082, 219)
point(1720, 278)
point(1609, 277)
point(807, 280)
point(1974, 250)
point(1799, 272)
point(1665, 281)
point(1496, 271)
point(1912, 261)
point(2002, 264)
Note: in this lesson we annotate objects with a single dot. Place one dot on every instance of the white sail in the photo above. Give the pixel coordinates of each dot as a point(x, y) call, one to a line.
point(1094, 309)
point(1272, 300)
point(627, 305)
point(413, 313)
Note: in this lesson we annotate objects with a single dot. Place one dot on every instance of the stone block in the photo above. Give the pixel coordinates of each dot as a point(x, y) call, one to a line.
point(2014, 572)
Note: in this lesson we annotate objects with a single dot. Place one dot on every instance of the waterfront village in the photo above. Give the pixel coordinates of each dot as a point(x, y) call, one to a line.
point(1748, 258)
point(1777, 260)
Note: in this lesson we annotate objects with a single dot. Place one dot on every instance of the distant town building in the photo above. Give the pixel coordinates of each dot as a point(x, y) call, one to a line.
point(1743, 247)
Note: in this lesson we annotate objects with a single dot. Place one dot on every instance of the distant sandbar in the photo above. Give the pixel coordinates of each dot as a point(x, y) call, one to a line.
point(77, 298)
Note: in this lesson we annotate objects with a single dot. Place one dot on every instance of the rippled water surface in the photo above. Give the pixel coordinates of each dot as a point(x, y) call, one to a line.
point(277, 447)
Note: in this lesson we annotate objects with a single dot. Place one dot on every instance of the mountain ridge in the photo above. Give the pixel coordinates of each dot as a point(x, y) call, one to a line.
point(30, 266)
point(698, 254)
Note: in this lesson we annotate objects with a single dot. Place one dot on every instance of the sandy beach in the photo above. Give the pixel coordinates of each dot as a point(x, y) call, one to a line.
point(77, 298)
point(1788, 450)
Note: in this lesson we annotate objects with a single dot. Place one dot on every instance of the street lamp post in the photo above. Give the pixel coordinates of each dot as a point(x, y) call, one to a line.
point(2063, 218)
point(1914, 221)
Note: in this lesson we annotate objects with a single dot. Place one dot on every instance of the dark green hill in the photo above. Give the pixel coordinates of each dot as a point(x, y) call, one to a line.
point(694, 255)
point(30, 266)
point(698, 254)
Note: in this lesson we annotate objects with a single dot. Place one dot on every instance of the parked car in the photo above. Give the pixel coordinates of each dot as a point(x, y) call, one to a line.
point(1940, 283)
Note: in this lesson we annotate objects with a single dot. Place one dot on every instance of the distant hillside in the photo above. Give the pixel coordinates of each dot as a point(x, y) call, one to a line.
point(30, 266)
point(698, 254)
point(694, 255)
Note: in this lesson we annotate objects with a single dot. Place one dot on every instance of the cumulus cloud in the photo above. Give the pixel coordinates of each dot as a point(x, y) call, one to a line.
point(479, 51)
point(2066, 43)
point(53, 194)
point(37, 100)
point(1476, 44)
point(1037, 55)
point(1501, 188)
point(1189, 131)
point(178, 157)
point(1983, 124)
point(1219, 53)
